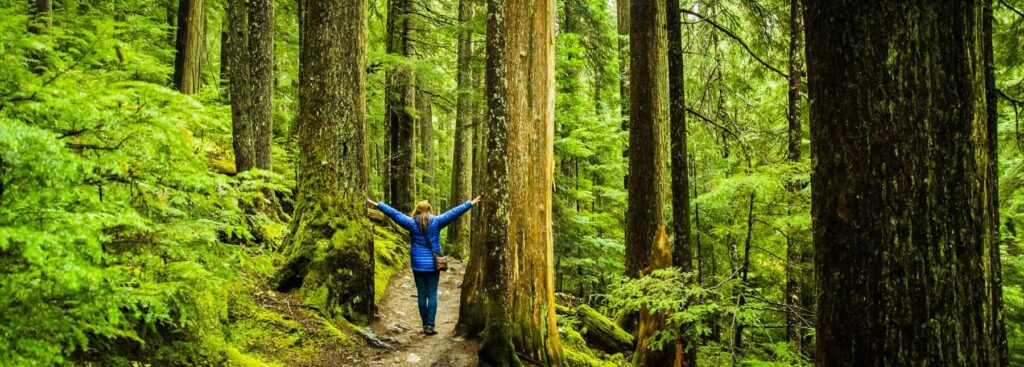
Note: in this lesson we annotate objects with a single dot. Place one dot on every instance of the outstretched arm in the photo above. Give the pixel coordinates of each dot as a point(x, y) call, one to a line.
point(403, 220)
point(450, 215)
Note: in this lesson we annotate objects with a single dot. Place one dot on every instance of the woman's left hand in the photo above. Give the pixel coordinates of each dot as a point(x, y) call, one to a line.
point(476, 199)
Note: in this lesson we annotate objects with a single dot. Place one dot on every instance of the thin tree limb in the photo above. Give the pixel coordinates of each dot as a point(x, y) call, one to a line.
point(738, 40)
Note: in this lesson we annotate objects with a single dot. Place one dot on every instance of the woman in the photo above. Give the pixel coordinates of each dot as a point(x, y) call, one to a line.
point(425, 237)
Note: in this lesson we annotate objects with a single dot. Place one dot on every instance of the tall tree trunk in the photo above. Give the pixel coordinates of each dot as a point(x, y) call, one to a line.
point(251, 52)
point(426, 140)
point(904, 201)
point(794, 258)
point(330, 248)
point(645, 183)
point(683, 251)
point(189, 46)
point(519, 280)
point(462, 160)
point(400, 101)
point(471, 305)
point(42, 19)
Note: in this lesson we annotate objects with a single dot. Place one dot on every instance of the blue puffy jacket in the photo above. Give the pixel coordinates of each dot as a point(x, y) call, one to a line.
point(422, 257)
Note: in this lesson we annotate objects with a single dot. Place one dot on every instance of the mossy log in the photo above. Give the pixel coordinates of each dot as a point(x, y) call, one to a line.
point(602, 333)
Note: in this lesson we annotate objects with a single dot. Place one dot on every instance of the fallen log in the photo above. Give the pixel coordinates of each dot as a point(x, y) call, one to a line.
point(602, 333)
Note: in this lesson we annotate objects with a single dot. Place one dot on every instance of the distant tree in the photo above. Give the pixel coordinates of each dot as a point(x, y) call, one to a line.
point(623, 19)
point(519, 280)
point(425, 107)
point(250, 51)
point(794, 253)
point(41, 16)
point(462, 160)
point(400, 104)
point(905, 213)
point(330, 248)
point(189, 46)
point(682, 248)
point(172, 23)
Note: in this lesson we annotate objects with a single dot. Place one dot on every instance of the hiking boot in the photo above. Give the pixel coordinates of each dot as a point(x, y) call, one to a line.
point(429, 330)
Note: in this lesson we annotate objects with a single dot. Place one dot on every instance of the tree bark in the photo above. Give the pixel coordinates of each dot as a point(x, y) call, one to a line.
point(519, 281)
point(462, 160)
point(471, 307)
point(42, 19)
point(645, 183)
point(794, 258)
point(189, 46)
point(648, 119)
point(330, 248)
point(400, 102)
point(251, 53)
point(904, 200)
point(683, 251)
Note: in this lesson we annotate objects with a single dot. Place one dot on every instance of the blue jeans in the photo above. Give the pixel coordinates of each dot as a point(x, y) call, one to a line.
point(426, 292)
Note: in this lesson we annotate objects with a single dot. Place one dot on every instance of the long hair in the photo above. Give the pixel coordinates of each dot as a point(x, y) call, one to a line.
point(422, 215)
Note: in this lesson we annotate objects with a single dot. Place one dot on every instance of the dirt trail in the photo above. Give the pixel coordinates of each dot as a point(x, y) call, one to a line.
point(400, 325)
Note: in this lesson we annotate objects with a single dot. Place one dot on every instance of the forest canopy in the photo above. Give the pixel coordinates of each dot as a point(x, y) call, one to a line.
point(662, 182)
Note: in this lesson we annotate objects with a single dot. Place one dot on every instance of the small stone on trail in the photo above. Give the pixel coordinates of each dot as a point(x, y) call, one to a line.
point(413, 358)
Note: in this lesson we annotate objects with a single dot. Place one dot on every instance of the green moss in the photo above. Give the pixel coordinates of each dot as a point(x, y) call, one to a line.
point(263, 332)
point(236, 358)
point(391, 254)
point(578, 354)
point(342, 337)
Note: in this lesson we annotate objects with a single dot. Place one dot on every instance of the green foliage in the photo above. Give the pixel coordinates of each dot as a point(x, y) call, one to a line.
point(114, 230)
point(589, 195)
point(124, 239)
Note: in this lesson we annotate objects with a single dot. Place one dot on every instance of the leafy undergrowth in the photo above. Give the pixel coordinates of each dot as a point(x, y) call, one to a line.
point(267, 328)
point(259, 327)
point(123, 238)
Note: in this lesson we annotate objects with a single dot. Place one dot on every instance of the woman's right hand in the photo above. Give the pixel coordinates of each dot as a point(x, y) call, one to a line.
point(476, 200)
point(371, 202)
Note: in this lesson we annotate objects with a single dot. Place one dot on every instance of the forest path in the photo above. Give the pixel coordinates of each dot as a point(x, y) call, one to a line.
point(399, 324)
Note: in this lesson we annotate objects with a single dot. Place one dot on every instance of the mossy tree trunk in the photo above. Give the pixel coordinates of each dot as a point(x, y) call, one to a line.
point(795, 284)
point(462, 160)
point(904, 201)
point(645, 183)
point(189, 46)
point(250, 52)
point(400, 106)
point(519, 281)
point(682, 248)
point(330, 248)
